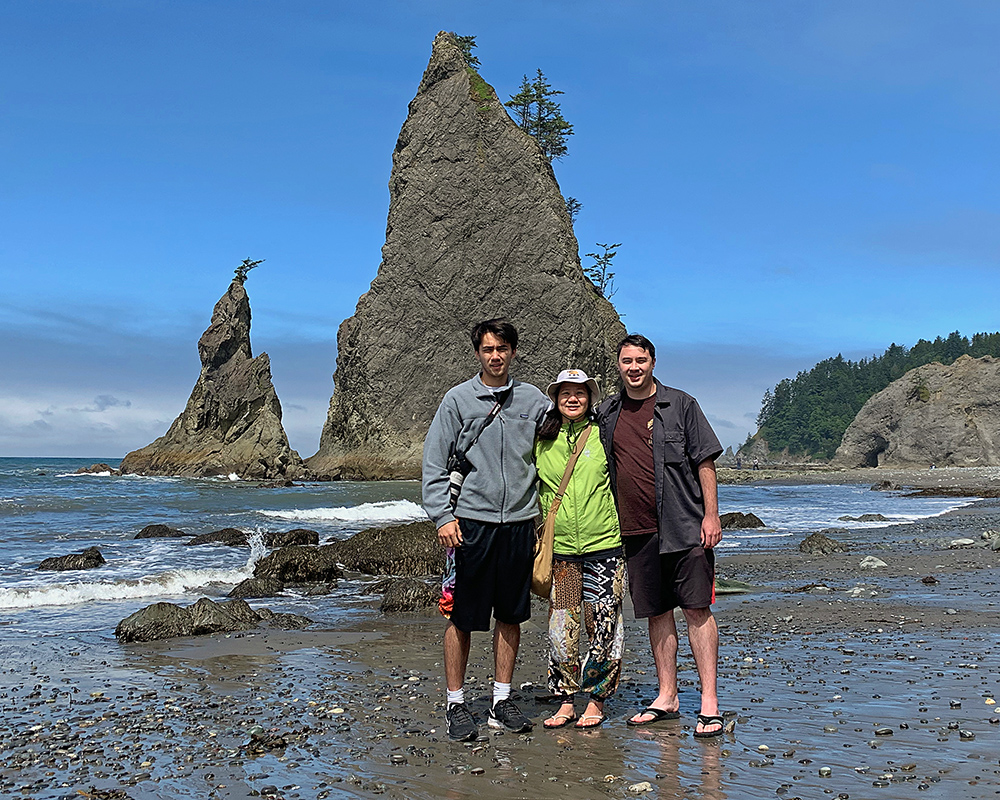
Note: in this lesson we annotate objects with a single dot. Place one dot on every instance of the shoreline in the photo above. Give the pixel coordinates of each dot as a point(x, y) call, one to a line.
point(813, 679)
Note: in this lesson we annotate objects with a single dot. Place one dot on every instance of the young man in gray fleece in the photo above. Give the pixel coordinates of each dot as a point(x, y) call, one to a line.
point(490, 532)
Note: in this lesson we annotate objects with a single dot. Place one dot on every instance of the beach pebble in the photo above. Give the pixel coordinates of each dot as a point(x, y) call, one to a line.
point(967, 735)
point(639, 788)
point(396, 758)
point(825, 772)
point(956, 543)
point(883, 731)
point(871, 562)
point(955, 704)
point(478, 770)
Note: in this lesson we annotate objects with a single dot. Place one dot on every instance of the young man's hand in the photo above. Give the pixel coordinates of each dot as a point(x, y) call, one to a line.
point(449, 534)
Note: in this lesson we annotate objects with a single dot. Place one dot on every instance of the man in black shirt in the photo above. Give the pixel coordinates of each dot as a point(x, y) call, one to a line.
point(662, 466)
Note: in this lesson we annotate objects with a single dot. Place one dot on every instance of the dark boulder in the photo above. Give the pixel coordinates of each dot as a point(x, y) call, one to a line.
point(407, 594)
point(158, 621)
point(232, 537)
point(166, 620)
point(257, 587)
point(735, 520)
point(300, 564)
point(885, 486)
point(294, 536)
point(158, 531)
point(411, 549)
point(864, 518)
point(97, 469)
point(820, 544)
point(88, 559)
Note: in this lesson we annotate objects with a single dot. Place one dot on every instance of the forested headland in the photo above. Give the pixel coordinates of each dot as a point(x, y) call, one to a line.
point(808, 414)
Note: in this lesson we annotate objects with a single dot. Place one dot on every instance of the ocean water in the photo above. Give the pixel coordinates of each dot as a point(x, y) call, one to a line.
point(47, 510)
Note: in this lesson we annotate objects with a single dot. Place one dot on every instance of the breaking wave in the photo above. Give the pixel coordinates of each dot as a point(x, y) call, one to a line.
point(390, 511)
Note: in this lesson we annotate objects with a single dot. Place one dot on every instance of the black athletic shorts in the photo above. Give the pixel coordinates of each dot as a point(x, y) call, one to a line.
point(493, 573)
point(660, 582)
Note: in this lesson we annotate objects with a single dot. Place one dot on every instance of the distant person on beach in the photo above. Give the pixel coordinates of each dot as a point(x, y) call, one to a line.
point(662, 465)
point(484, 430)
point(756, 463)
point(588, 572)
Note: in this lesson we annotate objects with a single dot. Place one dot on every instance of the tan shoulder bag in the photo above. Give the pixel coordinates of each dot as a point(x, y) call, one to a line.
point(541, 573)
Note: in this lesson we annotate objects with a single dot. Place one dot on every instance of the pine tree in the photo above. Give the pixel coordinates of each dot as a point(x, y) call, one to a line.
point(540, 116)
point(465, 44)
point(600, 273)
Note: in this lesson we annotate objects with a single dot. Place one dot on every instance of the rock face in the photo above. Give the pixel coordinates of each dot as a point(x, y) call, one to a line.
point(477, 229)
point(232, 422)
point(934, 414)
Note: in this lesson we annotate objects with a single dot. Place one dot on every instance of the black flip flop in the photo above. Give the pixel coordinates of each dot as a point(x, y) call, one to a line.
point(710, 719)
point(659, 715)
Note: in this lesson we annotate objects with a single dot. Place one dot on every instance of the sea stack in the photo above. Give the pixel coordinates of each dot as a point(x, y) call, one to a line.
point(232, 422)
point(477, 229)
point(933, 415)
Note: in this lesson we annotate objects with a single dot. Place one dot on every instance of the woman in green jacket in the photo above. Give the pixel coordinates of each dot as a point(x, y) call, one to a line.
point(588, 571)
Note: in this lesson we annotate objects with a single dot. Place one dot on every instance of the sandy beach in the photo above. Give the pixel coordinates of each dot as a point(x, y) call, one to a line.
point(842, 682)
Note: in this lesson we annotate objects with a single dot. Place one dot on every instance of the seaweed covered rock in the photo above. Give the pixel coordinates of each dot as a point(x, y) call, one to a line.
point(300, 564)
point(160, 531)
point(404, 594)
point(166, 620)
point(820, 544)
point(736, 520)
point(90, 558)
point(231, 537)
point(411, 549)
point(294, 536)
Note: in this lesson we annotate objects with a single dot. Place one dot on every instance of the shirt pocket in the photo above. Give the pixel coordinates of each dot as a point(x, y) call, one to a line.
point(673, 447)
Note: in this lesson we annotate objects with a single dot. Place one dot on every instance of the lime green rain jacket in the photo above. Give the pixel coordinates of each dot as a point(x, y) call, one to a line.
point(587, 520)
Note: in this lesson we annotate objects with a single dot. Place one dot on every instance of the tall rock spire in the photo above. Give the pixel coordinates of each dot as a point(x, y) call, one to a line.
point(477, 229)
point(232, 422)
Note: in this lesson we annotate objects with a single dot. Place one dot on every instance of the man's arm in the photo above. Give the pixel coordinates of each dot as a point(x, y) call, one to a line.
point(711, 526)
point(441, 438)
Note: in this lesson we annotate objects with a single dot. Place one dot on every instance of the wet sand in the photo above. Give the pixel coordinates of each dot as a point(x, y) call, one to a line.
point(884, 680)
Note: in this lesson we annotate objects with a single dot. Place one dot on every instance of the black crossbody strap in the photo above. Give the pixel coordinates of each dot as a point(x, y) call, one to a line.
point(501, 399)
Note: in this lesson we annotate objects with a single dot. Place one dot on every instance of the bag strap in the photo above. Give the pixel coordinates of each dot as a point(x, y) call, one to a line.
point(501, 399)
point(573, 457)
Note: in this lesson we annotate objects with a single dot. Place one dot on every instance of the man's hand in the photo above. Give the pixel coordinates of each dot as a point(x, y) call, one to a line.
point(449, 534)
point(711, 531)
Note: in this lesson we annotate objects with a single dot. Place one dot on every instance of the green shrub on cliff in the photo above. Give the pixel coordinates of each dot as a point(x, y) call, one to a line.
point(807, 415)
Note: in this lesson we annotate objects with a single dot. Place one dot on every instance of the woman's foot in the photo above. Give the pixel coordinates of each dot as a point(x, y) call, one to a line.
point(593, 717)
point(563, 717)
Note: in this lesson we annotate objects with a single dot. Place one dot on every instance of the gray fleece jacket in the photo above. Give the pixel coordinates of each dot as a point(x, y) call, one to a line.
point(501, 485)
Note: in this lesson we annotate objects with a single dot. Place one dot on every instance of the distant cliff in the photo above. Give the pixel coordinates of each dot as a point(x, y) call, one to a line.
point(935, 414)
point(477, 229)
point(232, 422)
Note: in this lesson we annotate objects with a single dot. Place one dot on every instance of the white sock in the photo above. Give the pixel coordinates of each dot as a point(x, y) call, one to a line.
point(458, 696)
point(501, 691)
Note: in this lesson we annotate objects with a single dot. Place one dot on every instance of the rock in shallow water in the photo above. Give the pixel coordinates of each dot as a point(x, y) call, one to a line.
point(166, 620)
point(88, 559)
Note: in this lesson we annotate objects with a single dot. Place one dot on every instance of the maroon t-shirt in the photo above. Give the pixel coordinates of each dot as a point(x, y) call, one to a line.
point(633, 454)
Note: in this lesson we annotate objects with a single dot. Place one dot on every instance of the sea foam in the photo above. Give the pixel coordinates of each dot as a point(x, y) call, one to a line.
point(167, 584)
point(390, 511)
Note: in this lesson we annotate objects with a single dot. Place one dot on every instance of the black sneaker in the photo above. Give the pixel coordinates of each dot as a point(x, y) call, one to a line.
point(507, 715)
point(461, 724)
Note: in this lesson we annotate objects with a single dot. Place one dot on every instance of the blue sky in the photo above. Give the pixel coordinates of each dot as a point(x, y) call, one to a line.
point(788, 181)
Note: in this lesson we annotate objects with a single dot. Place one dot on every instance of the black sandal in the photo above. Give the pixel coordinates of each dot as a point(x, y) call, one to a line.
point(658, 716)
point(710, 719)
